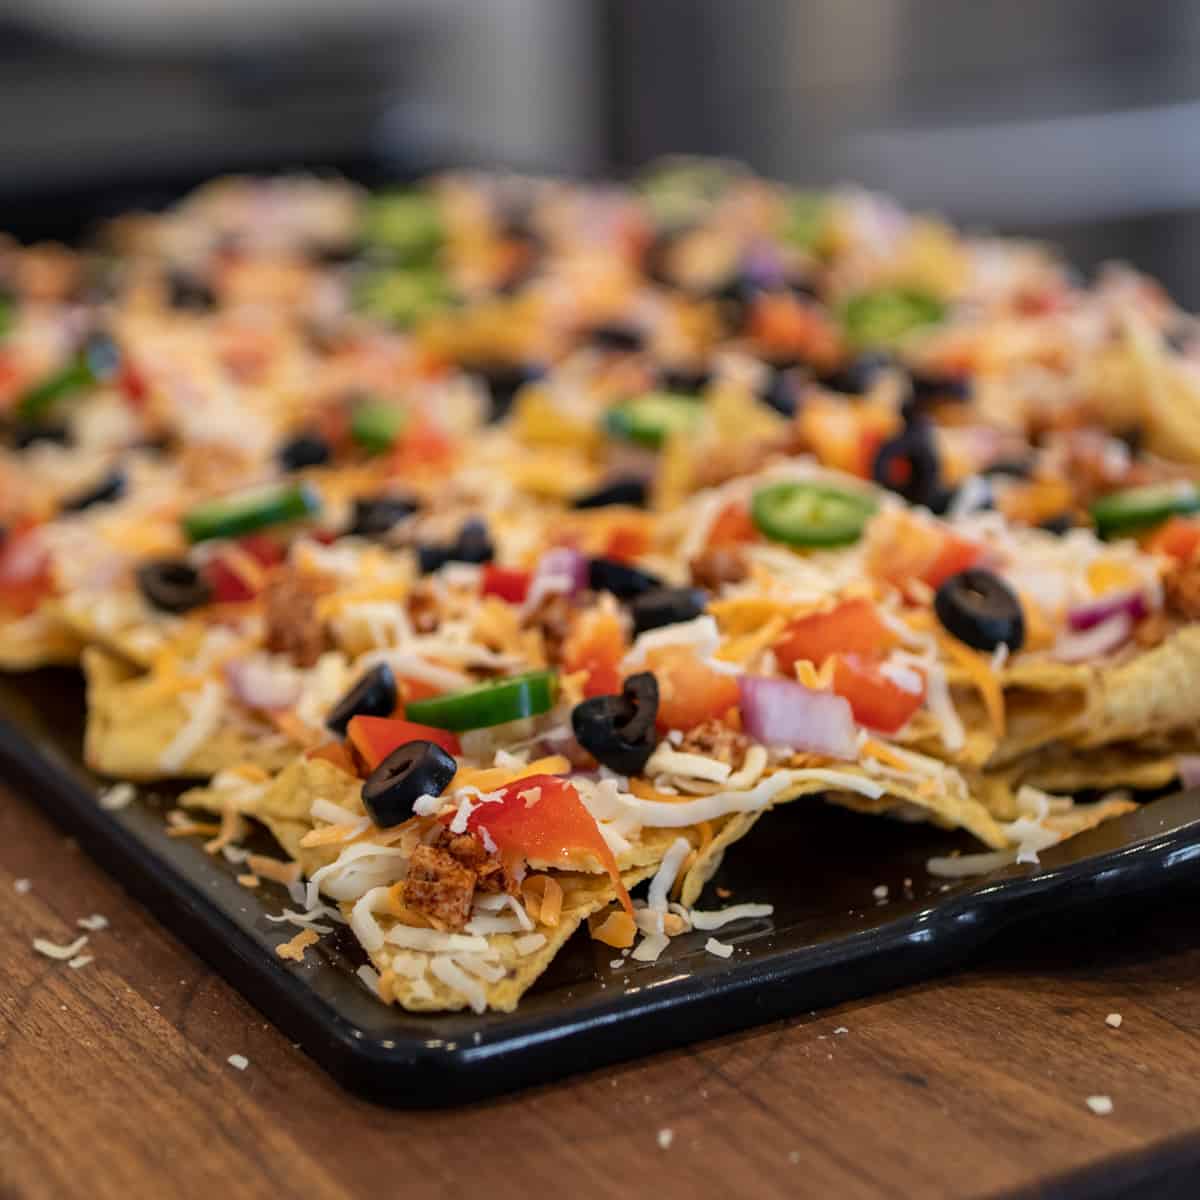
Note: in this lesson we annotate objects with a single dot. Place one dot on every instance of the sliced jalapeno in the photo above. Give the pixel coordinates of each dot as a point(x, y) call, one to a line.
point(244, 512)
point(1142, 507)
point(376, 426)
point(491, 704)
point(883, 317)
point(810, 514)
point(652, 418)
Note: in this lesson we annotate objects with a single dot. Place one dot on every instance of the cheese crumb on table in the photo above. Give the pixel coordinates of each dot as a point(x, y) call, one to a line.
point(720, 949)
point(1114, 1019)
point(94, 923)
point(880, 892)
point(665, 1138)
point(841, 1029)
point(238, 1061)
point(1100, 1105)
point(22, 886)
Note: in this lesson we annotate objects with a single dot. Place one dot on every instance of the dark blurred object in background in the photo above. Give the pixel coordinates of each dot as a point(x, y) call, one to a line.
point(1070, 119)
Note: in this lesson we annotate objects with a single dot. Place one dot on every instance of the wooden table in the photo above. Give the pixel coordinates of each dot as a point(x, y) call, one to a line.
point(114, 1079)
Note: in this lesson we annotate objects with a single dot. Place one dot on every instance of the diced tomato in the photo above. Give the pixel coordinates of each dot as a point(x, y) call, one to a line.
point(132, 385)
point(854, 627)
point(733, 527)
point(422, 444)
point(956, 554)
point(876, 701)
point(228, 586)
point(416, 689)
point(846, 437)
point(376, 737)
point(1179, 538)
point(332, 424)
point(25, 576)
point(337, 753)
point(903, 549)
point(508, 583)
point(785, 325)
point(628, 539)
point(231, 586)
point(596, 644)
point(542, 819)
point(689, 692)
point(263, 548)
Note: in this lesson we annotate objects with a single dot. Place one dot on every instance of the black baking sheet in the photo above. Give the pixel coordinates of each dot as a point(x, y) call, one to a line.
point(830, 938)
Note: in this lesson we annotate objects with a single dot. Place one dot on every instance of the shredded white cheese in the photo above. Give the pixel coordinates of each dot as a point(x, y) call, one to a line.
point(455, 978)
point(61, 953)
point(204, 717)
point(706, 921)
point(720, 949)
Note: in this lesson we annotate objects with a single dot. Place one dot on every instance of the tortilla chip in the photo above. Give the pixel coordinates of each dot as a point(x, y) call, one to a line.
point(122, 624)
point(1153, 694)
point(37, 640)
point(133, 718)
point(950, 807)
point(583, 896)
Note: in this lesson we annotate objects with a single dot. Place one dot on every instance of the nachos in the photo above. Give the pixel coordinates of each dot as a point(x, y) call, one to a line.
point(500, 544)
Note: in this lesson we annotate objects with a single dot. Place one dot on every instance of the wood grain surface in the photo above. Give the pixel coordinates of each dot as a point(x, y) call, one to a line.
point(114, 1079)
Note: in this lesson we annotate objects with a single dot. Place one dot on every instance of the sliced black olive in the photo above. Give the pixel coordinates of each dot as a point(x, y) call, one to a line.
point(1018, 468)
point(304, 450)
point(23, 434)
point(173, 585)
point(111, 487)
point(186, 290)
point(375, 515)
point(431, 558)
point(624, 581)
point(915, 450)
point(929, 388)
point(666, 606)
point(858, 376)
point(783, 389)
point(411, 771)
point(373, 695)
point(1062, 523)
point(979, 608)
point(474, 543)
point(621, 339)
point(618, 731)
point(503, 381)
point(687, 381)
point(625, 489)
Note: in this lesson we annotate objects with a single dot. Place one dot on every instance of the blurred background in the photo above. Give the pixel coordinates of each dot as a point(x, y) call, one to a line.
point(1069, 119)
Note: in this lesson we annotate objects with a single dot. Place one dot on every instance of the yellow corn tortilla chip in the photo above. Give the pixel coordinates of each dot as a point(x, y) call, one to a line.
point(37, 640)
point(583, 896)
point(950, 807)
point(1153, 694)
point(134, 636)
point(132, 719)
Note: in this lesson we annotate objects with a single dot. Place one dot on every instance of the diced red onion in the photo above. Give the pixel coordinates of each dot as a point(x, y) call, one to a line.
point(258, 683)
point(1085, 616)
point(778, 712)
point(763, 265)
point(1101, 639)
point(560, 571)
point(1189, 769)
